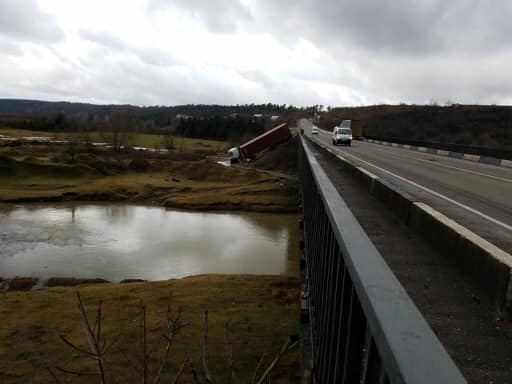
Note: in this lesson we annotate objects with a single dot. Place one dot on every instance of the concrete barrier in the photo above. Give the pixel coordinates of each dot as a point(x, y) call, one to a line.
point(490, 160)
point(475, 158)
point(441, 152)
point(456, 155)
point(506, 163)
point(365, 178)
point(487, 265)
point(422, 149)
point(398, 201)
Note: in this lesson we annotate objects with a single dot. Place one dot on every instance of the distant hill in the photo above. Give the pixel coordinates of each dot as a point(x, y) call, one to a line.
point(480, 125)
point(39, 107)
point(22, 107)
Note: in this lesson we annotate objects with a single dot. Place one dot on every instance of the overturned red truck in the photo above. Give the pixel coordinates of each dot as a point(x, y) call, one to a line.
point(250, 149)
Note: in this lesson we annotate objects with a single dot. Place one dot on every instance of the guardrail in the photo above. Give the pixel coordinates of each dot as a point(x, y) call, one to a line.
point(458, 148)
point(365, 328)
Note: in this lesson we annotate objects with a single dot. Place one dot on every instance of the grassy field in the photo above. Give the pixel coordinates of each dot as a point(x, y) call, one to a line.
point(180, 187)
point(35, 173)
point(262, 311)
point(133, 139)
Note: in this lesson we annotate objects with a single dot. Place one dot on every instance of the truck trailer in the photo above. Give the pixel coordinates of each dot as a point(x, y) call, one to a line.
point(250, 149)
point(356, 126)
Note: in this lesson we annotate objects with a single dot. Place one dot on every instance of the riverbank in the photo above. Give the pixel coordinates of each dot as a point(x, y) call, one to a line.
point(261, 310)
point(187, 180)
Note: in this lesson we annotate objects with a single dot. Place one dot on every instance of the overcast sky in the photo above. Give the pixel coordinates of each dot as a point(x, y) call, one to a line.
point(301, 52)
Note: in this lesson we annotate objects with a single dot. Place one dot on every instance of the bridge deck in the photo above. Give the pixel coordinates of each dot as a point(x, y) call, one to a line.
point(476, 195)
point(464, 320)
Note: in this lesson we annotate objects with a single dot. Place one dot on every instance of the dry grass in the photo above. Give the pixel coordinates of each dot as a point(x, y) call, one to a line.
point(262, 310)
point(178, 183)
point(134, 139)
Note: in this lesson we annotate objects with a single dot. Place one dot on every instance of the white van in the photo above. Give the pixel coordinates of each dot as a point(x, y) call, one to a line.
point(341, 135)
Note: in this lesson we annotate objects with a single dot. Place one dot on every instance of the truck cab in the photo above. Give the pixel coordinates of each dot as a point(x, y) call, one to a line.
point(234, 155)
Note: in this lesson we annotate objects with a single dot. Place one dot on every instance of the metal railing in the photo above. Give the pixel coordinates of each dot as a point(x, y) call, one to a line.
point(365, 328)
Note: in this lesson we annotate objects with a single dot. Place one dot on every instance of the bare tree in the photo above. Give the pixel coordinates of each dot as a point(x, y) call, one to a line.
point(174, 325)
point(98, 346)
point(229, 356)
point(120, 124)
point(168, 140)
point(72, 146)
point(206, 369)
point(288, 344)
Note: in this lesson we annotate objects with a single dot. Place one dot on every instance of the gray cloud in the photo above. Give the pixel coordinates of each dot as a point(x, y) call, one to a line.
point(151, 56)
point(25, 20)
point(258, 77)
point(305, 52)
point(397, 27)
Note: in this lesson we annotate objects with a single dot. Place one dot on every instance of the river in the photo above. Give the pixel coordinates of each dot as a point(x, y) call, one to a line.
point(118, 242)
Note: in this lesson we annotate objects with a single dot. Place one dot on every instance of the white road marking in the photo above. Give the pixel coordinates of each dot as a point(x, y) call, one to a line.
point(466, 170)
point(436, 163)
point(437, 194)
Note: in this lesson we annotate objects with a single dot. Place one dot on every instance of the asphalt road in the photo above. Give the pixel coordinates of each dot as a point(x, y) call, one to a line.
point(478, 196)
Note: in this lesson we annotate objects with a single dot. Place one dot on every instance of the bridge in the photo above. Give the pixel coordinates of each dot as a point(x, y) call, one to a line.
point(370, 318)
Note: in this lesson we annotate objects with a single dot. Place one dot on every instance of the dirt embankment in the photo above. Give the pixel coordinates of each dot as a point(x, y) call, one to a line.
point(279, 159)
point(31, 173)
point(261, 311)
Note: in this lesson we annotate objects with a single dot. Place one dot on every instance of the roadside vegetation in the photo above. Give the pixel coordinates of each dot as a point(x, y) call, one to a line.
point(479, 125)
point(146, 140)
point(262, 312)
point(188, 178)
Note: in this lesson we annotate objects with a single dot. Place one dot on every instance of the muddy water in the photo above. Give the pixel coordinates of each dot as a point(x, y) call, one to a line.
point(117, 242)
